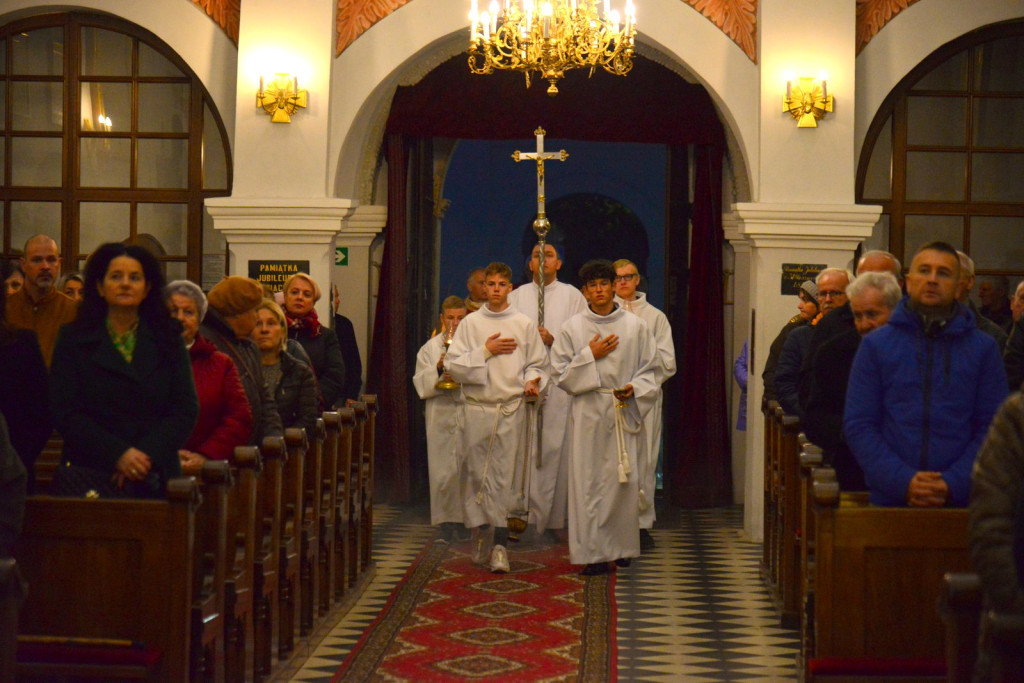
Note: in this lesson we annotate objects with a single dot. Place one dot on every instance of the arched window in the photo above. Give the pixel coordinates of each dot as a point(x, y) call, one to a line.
point(945, 153)
point(106, 135)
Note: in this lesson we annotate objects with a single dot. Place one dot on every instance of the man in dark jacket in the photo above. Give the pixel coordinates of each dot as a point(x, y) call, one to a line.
point(228, 324)
point(923, 390)
point(873, 297)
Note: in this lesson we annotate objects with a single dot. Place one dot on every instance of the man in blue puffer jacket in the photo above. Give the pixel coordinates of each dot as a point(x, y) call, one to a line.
point(923, 390)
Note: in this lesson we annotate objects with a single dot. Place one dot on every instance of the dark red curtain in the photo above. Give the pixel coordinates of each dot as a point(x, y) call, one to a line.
point(701, 476)
point(388, 375)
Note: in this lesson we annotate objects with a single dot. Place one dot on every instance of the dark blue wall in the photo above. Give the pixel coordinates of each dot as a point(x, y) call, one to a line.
point(493, 199)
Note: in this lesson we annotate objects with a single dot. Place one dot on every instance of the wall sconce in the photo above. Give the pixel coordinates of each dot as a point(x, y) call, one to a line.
point(807, 101)
point(282, 98)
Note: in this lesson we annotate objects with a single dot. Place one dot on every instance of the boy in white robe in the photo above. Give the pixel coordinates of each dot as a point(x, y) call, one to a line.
point(605, 358)
point(498, 357)
point(549, 488)
point(627, 277)
point(442, 408)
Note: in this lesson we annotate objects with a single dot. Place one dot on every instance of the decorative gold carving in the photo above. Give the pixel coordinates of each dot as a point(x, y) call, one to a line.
point(355, 17)
point(225, 13)
point(872, 15)
point(736, 18)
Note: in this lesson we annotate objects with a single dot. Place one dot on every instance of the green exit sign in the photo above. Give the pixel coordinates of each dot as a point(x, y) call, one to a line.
point(341, 256)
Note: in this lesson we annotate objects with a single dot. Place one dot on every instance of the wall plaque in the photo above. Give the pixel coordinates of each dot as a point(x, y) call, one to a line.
point(275, 273)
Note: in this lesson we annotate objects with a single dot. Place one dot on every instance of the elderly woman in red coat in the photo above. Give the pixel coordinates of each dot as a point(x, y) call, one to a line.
point(225, 419)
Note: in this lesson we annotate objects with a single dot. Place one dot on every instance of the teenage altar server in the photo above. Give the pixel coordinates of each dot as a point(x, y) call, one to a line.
point(442, 396)
point(498, 357)
point(627, 277)
point(549, 490)
point(605, 358)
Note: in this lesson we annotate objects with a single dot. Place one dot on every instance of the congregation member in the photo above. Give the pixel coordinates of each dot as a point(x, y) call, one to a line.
point(441, 410)
point(301, 292)
point(994, 294)
point(346, 334)
point(1013, 353)
point(290, 380)
point(995, 519)
point(922, 391)
point(476, 295)
point(740, 374)
point(225, 419)
point(498, 357)
point(605, 358)
point(25, 399)
point(831, 284)
point(1017, 302)
point(12, 276)
point(549, 487)
point(71, 284)
point(13, 489)
point(873, 297)
point(228, 324)
point(807, 305)
point(38, 306)
point(121, 386)
point(964, 297)
point(627, 278)
point(840, 319)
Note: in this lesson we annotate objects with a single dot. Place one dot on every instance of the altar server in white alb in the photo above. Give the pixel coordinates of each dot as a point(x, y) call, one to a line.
point(443, 398)
point(605, 358)
point(549, 491)
point(498, 357)
point(627, 277)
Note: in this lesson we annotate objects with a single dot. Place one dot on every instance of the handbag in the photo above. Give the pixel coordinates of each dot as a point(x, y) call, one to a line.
point(79, 481)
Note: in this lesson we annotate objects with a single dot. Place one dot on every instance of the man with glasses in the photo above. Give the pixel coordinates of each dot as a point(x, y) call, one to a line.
point(627, 278)
point(832, 284)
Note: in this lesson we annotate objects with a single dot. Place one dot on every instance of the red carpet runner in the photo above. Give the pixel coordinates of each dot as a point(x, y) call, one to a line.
point(450, 619)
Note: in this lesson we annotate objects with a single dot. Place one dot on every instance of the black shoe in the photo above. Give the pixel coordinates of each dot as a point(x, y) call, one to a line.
point(623, 562)
point(646, 540)
point(594, 569)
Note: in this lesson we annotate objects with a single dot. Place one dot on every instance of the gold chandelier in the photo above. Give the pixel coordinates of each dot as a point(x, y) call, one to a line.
point(551, 37)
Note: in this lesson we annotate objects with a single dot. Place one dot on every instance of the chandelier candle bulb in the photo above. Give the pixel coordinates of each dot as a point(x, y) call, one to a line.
point(824, 90)
point(261, 85)
point(789, 90)
point(485, 20)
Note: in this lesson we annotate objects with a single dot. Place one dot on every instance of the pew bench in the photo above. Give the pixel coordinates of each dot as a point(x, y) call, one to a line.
point(107, 578)
point(878, 576)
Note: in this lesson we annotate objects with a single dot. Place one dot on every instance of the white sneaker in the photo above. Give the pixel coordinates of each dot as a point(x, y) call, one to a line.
point(499, 560)
point(482, 541)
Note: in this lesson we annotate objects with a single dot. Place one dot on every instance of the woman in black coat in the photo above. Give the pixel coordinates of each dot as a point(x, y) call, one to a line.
point(290, 378)
point(301, 293)
point(121, 385)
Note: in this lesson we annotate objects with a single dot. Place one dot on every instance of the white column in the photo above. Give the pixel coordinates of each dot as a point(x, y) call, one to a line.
point(740, 333)
point(785, 233)
point(356, 279)
point(282, 230)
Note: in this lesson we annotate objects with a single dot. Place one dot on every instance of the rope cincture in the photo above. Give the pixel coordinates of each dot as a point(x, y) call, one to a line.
point(621, 429)
point(506, 408)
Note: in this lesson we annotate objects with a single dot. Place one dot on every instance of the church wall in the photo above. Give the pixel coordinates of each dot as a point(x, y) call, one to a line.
point(182, 25)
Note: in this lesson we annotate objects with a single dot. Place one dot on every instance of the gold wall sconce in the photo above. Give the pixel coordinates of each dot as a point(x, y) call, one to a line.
point(282, 98)
point(807, 101)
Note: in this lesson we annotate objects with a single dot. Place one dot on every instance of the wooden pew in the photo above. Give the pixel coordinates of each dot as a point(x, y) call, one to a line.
point(1006, 635)
point(330, 516)
point(787, 520)
point(357, 489)
point(312, 502)
point(267, 562)
point(368, 459)
point(878, 578)
point(810, 460)
point(960, 609)
point(348, 527)
point(210, 567)
point(239, 602)
point(292, 517)
point(12, 593)
point(771, 428)
point(116, 575)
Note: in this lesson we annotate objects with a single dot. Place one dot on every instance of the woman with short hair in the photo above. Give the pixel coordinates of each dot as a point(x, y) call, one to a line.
point(225, 419)
point(301, 292)
point(121, 385)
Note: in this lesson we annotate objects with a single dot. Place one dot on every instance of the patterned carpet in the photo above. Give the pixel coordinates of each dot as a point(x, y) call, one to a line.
point(692, 609)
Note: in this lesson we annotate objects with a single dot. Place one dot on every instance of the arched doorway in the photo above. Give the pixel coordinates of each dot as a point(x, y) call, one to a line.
point(651, 105)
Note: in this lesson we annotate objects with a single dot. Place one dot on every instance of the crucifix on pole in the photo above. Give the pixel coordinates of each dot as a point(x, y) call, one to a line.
point(541, 226)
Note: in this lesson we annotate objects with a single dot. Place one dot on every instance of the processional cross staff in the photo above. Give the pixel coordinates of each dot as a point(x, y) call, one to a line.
point(541, 226)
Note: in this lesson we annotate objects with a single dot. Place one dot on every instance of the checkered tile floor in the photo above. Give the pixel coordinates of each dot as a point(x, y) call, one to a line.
point(692, 609)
